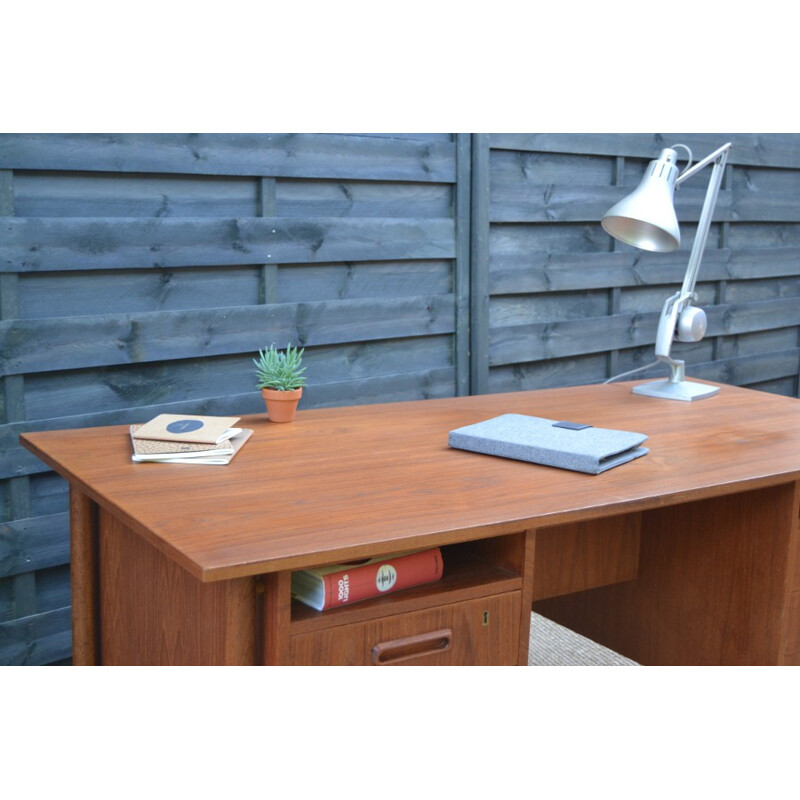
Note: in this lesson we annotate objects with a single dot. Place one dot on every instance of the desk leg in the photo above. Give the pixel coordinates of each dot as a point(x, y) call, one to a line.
point(83, 577)
point(718, 583)
point(276, 617)
point(790, 632)
point(527, 598)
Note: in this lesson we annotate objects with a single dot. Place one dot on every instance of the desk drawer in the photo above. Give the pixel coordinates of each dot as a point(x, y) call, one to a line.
point(480, 631)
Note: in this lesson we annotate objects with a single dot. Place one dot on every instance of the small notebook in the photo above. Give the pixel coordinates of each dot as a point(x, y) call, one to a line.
point(567, 445)
point(188, 428)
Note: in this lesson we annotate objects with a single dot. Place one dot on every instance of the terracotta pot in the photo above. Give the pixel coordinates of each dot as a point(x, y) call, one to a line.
point(281, 405)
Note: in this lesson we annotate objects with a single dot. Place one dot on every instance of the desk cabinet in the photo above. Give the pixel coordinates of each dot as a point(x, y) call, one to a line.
point(151, 611)
point(472, 615)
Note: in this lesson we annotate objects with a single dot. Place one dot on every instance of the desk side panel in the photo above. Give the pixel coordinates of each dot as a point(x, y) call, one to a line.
point(154, 612)
point(711, 588)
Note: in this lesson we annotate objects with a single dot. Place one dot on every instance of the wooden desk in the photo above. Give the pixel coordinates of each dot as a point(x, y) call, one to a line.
point(689, 555)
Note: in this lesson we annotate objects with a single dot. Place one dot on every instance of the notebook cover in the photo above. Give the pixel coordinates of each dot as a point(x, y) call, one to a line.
point(157, 447)
point(186, 428)
point(546, 441)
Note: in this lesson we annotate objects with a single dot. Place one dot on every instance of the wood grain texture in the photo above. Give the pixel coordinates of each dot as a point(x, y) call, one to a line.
point(710, 588)
point(302, 155)
point(792, 646)
point(33, 543)
point(376, 479)
point(517, 271)
point(775, 149)
point(105, 340)
point(511, 341)
point(527, 598)
point(471, 570)
point(585, 555)
point(42, 638)
point(276, 618)
point(154, 612)
point(527, 201)
point(84, 578)
point(43, 244)
point(473, 642)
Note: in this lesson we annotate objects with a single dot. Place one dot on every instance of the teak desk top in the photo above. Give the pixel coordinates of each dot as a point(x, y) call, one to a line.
point(342, 483)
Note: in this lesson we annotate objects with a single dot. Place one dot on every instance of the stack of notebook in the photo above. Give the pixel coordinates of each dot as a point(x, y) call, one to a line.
point(185, 439)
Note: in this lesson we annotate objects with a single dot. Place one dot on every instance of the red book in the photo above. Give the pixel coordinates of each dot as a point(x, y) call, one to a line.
point(341, 584)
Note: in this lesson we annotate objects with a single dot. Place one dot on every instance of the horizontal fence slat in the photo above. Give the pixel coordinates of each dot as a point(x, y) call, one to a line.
point(36, 543)
point(568, 203)
point(299, 155)
point(50, 294)
point(37, 639)
point(757, 149)
point(30, 244)
point(565, 202)
point(530, 272)
point(758, 368)
point(563, 338)
point(560, 339)
point(129, 385)
point(42, 345)
point(81, 194)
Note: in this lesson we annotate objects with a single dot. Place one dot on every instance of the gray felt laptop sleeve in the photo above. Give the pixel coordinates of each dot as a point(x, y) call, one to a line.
point(545, 441)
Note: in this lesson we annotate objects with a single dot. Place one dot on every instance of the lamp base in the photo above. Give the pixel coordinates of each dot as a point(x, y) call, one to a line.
point(672, 390)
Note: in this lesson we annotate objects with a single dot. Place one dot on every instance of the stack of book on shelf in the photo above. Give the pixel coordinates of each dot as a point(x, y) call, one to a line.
point(186, 439)
point(340, 584)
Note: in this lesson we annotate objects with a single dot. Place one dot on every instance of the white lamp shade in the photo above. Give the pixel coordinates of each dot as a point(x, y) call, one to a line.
point(646, 217)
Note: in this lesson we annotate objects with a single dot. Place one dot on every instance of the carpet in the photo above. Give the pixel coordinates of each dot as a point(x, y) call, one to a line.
point(552, 645)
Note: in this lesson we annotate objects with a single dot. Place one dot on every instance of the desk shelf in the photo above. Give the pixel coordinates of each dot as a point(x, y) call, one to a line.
point(465, 577)
point(481, 584)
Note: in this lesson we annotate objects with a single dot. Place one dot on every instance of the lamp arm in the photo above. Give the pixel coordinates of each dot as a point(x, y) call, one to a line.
point(695, 168)
point(674, 305)
point(720, 158)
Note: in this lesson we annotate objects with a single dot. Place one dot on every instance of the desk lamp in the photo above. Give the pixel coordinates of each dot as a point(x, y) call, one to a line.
point(646, 219)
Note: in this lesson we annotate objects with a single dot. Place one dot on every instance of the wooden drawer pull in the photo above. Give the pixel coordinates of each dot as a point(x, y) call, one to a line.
point(423, 644)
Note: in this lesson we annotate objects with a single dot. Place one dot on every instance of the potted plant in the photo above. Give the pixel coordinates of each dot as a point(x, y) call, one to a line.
point(281, 380)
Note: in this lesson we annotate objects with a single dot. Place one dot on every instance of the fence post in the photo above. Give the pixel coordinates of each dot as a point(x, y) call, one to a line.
point(479, 266)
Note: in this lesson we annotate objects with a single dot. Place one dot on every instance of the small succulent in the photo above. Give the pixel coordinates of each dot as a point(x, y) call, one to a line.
point(281, 370)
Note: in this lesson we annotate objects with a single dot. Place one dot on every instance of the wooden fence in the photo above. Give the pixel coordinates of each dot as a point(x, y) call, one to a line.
point(139, 273)
point(569, 305)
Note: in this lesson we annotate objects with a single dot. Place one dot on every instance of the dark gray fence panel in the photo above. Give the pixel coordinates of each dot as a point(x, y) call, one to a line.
point(140, 273)
point(569, 305)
